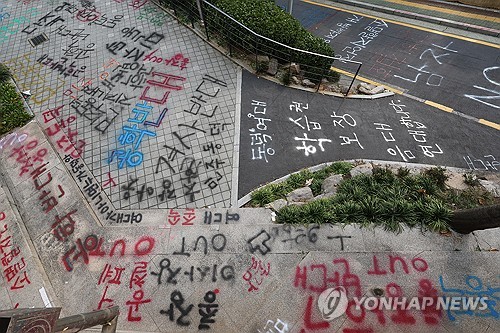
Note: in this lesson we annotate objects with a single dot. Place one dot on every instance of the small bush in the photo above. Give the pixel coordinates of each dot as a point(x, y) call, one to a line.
point(438, 175)
point(470, 179)
point(12, 112)
point(260, 66)
point(5, 73)
point(262, 197)
point(286, 78)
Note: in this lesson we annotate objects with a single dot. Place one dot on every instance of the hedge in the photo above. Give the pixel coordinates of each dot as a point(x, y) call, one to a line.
point(265, 18)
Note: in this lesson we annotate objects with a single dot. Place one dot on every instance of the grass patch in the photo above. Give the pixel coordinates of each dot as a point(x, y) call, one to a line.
point(12, 112)
point(392, 201)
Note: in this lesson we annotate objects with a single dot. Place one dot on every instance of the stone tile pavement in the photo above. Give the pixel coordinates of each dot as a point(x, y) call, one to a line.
point(96, 62)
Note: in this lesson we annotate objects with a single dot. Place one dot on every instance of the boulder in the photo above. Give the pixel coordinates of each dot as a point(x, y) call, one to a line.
point(377, 90)
point(323, 196)
point(302, 194)
point(366, 86)
point(364, 91)
point(262, 58)
point(273, 67)
point(492, 187)
point(294, 68)
point(333, 88)
point(308, 83)
point(366, 169)
point(278, 204)
point(295, 80)
point(330, 184)
point(344, 89)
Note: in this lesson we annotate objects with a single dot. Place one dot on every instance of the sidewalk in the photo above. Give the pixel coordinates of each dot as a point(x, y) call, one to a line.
point(481, 20)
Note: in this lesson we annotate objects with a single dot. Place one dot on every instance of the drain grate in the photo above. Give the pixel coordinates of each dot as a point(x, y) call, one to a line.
point(37, 40)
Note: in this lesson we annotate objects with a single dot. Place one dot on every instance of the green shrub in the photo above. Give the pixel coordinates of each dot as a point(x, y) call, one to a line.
point(438, 175)
point(4, 73)
point(12, 113)
point(286, 78)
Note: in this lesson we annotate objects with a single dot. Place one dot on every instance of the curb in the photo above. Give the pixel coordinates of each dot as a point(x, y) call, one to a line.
point(440, 21)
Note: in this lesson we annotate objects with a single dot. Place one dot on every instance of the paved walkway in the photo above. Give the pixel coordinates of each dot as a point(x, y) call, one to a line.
point(119, 193)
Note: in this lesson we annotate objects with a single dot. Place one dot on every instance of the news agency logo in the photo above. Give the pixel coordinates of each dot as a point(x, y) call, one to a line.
point(333, 303)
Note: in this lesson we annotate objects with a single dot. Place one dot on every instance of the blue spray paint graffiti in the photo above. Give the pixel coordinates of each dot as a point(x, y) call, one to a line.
point(475, 288)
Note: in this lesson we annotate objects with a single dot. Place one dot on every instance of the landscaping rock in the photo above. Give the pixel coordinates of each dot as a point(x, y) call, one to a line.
point(278, 204)
point(492, 187)
point(364, 90)
point(308, 83)
point(262, 58)
point(344, 89)
point(294, 68)
point(295, 80)
point(302, 194)
point(323, 196)
point(377, 90)
point(273, 67)
point(456, 181)
point(330, 184)
point(332, 87)
point(366, 86)
point(366, 169)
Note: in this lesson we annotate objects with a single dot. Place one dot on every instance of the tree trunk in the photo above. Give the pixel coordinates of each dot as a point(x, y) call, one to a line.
point(468, 220)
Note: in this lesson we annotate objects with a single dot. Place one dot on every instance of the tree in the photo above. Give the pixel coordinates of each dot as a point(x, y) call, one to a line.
point(468, 220)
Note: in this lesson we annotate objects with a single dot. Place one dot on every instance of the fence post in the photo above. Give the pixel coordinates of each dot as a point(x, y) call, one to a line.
point(204, 18)
point(174, 3)
point(200, 12)
point(256, 53)
point(353, 79)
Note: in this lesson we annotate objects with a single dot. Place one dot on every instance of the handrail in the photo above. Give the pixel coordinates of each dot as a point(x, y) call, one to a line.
point(106, 317)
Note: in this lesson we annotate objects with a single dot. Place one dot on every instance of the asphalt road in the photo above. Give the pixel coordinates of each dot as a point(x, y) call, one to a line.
point(279, 136)
point(457, 73)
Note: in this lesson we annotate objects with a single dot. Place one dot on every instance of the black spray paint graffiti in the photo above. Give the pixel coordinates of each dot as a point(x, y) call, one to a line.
point(262, 241)
point(96, 196)
point(218, 243)
point(202, 274)
point(189, 168)
point(207, 310)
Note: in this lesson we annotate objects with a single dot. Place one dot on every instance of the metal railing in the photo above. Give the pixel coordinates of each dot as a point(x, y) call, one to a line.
point(243, 43)
point(46, 320)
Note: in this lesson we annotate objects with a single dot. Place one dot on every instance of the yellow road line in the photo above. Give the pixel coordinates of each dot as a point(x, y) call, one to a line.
point(364, 79)
point(490, 124)
point(439, 106)
point(445, 10)
point(497, 46)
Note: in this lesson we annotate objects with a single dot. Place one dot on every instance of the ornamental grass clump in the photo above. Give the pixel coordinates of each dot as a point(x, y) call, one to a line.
point(392, 201)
